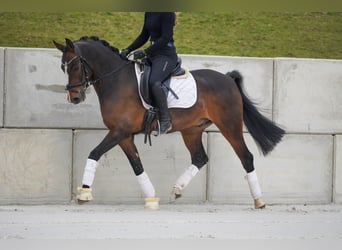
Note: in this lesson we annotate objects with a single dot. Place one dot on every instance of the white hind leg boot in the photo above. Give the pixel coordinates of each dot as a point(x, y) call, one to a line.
point(183, 181)
point(254, 188)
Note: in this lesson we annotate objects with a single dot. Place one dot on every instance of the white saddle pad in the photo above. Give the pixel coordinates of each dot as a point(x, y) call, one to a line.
point(184, 87)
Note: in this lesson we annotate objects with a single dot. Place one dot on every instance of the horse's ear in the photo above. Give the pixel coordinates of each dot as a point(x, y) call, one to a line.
point(59, 46)
point(69, 44)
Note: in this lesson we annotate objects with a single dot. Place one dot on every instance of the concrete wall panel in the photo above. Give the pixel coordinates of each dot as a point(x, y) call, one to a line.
point(308, 95)
point(257, 74)
point(2, 77)
point(115, 181)
point(338, 169)
point(35, 166)
point(35, 94)
point(299, 170)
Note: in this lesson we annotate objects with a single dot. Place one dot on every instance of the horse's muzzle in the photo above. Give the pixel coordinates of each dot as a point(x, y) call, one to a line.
point(76, 100)
point(76, 97)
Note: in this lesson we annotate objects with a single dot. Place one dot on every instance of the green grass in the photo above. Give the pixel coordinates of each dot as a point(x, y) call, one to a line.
point(256, 34)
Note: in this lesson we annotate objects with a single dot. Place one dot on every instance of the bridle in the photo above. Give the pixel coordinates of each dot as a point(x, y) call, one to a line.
point(85, 73)
point(85, 69)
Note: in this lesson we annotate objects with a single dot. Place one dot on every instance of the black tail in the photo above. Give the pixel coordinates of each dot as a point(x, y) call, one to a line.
point(265, 133)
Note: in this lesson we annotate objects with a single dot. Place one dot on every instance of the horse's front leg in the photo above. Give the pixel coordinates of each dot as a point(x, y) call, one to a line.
point(111, 140)
point(128, 146)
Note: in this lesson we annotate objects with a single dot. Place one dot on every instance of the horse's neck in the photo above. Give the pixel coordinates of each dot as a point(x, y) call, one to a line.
point(106, 64)
point(111, 85)
point(100, 58)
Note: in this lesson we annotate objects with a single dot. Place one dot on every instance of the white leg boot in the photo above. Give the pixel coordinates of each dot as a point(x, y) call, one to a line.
point(84, 194)
point(151, 202)
point(255, 189)
point(183, 181)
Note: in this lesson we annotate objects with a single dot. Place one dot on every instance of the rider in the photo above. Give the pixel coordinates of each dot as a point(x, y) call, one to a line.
point(158, 27)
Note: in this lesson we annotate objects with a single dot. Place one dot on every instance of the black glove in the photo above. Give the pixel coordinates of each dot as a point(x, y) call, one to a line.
point(139, 54)
point(124, 53)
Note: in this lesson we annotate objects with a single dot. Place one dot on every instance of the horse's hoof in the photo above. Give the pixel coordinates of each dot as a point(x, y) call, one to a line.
point(177, 196)
point(259, 204)
point(79, 202)
point(152, 203)
point(84, 195)
point(176, 193)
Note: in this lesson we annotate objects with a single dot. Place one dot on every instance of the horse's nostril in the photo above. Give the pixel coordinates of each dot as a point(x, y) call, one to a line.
point(76, 100)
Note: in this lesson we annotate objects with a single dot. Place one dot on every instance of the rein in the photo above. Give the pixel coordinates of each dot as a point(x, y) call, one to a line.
point(85, 70)
point(110, 73)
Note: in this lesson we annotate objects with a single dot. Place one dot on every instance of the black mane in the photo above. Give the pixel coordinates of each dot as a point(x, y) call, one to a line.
point(103, 42)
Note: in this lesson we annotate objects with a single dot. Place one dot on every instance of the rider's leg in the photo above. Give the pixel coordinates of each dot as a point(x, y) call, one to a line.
point(161, 103)
point(162, 67)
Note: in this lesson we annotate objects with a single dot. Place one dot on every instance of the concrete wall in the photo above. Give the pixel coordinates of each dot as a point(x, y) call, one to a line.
point(44, 141)
point(36, 165)
point(2, 77)
point(308, 94)
point(337, 184)
point(35, 95)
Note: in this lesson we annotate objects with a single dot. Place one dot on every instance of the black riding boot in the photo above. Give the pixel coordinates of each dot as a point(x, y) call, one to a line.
point(161, 103)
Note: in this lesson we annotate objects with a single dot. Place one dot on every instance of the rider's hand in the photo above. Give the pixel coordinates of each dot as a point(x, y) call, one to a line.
point(139, 54)
point(124, 53)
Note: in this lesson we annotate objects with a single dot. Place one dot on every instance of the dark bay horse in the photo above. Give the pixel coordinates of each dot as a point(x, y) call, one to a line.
point(220, 100)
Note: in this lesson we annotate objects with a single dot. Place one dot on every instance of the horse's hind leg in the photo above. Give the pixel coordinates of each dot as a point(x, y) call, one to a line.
point(193, 141)
point(129, 148)
point(233, 133)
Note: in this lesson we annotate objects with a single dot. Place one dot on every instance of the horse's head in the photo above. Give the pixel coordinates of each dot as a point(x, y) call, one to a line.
point(77, 69)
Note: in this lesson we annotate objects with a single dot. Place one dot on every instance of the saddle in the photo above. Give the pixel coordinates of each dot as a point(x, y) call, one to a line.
point(145, 67)
point(150, 115)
